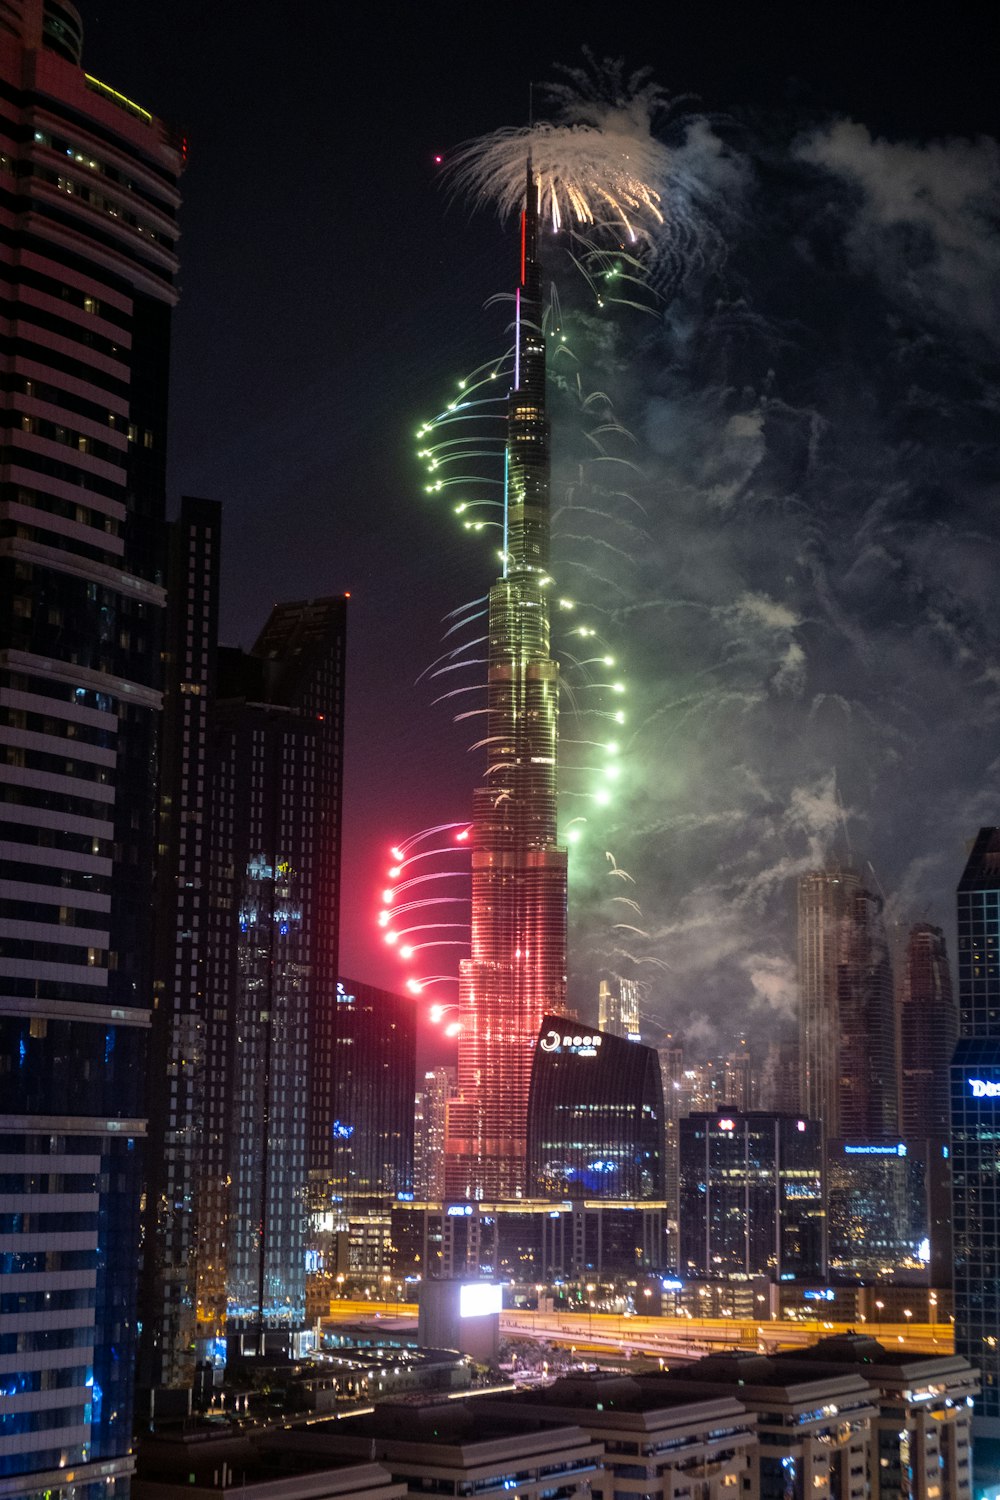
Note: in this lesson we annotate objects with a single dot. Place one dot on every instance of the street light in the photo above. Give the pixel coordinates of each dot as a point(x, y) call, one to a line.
point(879, 1306)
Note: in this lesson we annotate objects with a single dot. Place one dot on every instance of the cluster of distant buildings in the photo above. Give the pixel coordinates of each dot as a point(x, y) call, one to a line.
point(189, 1085)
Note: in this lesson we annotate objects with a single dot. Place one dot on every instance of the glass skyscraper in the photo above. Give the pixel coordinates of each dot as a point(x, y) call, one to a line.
point(975, 1130)
point(595, 1116)
point(88, 204)
point(751, 1195)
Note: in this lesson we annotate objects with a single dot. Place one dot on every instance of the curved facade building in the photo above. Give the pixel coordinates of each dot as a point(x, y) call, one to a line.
point(88, 203)
point(595, 1116)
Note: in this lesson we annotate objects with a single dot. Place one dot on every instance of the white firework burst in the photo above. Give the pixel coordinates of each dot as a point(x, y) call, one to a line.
point(604, 176)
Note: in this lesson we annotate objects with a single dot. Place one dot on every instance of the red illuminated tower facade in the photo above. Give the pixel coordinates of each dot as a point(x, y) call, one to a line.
point(516, 973)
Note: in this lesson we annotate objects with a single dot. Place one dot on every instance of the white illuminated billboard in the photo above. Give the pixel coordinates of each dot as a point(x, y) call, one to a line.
point(477, 1299)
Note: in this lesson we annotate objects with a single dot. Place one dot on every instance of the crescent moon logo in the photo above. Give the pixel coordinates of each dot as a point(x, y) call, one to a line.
point(550, 1041)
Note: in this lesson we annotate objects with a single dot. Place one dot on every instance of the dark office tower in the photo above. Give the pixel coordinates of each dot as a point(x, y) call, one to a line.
point(595, 1116)
point(177, 1080)
point(517, 970)
point(271, 975)
point(928, 1030)
point(869, 1100)
point(88, 199)
point(751, 1197)
point(975, 1131)
point(371, 1120)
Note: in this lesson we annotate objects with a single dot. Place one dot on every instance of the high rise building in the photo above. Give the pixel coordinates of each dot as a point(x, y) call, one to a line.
point(975, 1136)
point(88, 205)
point(272, 865)
point(177, 1075)
point(618, 1008)
point(847, 1028)
point(371, 1129)
point(438, 1086)
point(751, 1195)
point(516, 973)
point(928, 1031)
point(824, 899)
point(595, 1116)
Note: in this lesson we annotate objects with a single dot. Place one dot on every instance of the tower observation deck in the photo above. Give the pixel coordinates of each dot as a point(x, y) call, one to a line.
point(516, 973)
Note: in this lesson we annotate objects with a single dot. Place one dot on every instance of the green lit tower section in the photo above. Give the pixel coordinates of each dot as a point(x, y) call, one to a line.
point(516, 973)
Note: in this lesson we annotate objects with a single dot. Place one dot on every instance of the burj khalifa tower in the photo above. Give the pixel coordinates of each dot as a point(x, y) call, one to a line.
point(516, 973)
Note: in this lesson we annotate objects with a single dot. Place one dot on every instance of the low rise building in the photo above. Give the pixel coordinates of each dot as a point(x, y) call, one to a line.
point(443, 1447)
point(658, 1443)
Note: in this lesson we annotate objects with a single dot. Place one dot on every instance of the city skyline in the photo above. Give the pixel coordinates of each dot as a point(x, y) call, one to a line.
point(411, 366)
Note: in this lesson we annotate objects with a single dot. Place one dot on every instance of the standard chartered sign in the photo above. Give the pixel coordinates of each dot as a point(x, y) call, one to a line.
point(984, 1088)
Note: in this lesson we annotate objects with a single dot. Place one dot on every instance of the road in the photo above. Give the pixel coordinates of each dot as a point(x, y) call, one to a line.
point(665, 1335)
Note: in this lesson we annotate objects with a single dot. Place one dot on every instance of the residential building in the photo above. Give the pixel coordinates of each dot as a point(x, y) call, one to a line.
point(429, 1130)
point(618, 1008)
point(88, 239)
point(177, 1077)
point(271, 968)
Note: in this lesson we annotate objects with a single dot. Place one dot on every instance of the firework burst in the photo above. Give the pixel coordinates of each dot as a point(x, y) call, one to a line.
point(605, 178)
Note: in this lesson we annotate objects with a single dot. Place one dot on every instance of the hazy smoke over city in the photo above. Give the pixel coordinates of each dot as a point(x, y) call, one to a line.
point(805, 604)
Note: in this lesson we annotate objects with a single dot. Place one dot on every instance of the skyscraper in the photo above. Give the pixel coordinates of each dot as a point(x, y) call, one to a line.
point(751, 1195)
point(595, 1116)
point(928, 1030)
point(371, 1129)
point(975, 1136)
point(618, 1008)
point(516, 973)
point(824, 900)
point(273, 868)
point(847, 1030)
point(88, 204)
point(429, 1133)
point(869, 1090)
point(178, 1081)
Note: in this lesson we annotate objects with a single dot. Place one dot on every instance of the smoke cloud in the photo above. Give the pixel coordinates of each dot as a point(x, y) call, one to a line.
point(798, 569)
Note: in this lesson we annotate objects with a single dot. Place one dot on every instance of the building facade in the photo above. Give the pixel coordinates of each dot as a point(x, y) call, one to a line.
point(177, 1075)
point(847, 1018)
point(618, 1008)
point(928, 1031)
point(516, 973)
point(751, 1196)
point(371, 1126)
point(272, 869)
point(595, 1116)
point(438, 1086)
point(88, 234)
point(975, 1132)
point(888, 1208)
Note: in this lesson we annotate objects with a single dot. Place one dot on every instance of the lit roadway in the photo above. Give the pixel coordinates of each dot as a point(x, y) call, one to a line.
point(586, 1331)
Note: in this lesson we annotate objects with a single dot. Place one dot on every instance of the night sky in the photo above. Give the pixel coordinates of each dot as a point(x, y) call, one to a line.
point(805, 607)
